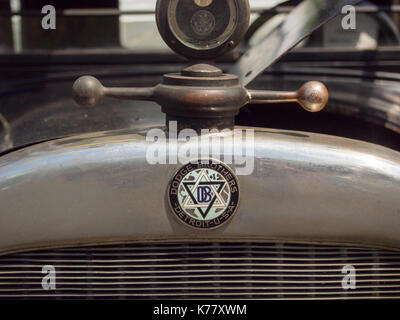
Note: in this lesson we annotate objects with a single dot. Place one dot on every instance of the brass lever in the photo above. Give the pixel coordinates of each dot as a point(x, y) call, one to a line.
point(312, 96)
point(87, 91)
point(201, 96)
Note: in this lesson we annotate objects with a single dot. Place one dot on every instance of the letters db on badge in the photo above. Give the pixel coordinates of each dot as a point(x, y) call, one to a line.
point(204, 194)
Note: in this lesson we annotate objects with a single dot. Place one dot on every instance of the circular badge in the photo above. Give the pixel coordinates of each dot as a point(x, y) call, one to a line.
point(204, 194)
point(202, 29)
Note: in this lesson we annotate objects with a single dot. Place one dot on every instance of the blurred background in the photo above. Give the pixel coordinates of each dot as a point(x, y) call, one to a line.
point(130, 24)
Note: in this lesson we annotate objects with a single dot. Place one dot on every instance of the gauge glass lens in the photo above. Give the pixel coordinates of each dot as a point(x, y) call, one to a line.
point(202, 24)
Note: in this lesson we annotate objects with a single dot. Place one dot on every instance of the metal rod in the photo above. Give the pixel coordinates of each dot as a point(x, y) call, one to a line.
point(312, 96)
point(264, 96)
point(143, 94)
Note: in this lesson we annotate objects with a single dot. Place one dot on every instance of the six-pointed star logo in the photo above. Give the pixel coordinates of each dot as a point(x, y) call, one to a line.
point(215, 187)
point(204, 194)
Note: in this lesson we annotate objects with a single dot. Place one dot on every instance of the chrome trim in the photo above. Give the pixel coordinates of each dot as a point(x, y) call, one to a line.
point(216, 270)
point(98, 188)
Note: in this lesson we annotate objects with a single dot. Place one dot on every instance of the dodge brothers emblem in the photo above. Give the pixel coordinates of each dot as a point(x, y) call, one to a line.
point(204, 195)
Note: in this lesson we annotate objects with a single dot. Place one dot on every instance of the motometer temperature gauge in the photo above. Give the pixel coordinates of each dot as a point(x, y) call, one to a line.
point(202, 29)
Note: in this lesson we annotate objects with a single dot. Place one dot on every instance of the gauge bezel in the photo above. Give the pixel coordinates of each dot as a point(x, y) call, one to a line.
point(242, 24)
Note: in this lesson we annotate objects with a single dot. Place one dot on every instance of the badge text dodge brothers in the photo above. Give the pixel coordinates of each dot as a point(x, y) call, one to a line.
point(204, 194)
point(202, 96)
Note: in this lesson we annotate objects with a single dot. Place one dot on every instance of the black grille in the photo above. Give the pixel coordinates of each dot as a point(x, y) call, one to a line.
point(202, 270)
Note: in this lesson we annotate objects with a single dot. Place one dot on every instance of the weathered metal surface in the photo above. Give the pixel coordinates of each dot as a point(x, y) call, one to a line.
point(201, 97)
point(100, 189)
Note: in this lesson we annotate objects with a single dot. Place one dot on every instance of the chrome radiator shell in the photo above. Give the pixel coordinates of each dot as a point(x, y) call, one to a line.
point(99, 189)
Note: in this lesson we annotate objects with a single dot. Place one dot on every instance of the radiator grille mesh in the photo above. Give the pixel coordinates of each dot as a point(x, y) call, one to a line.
point(202, 270)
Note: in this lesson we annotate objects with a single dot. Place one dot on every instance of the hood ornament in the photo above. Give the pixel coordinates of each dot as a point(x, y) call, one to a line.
point(201, 96)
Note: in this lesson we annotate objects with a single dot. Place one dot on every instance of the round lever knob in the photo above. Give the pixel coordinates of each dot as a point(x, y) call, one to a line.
point(87, 91)
point(201, 101)
point(313, 96)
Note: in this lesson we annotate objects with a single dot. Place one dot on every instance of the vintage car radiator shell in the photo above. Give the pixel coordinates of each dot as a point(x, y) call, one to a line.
point(99, 189)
